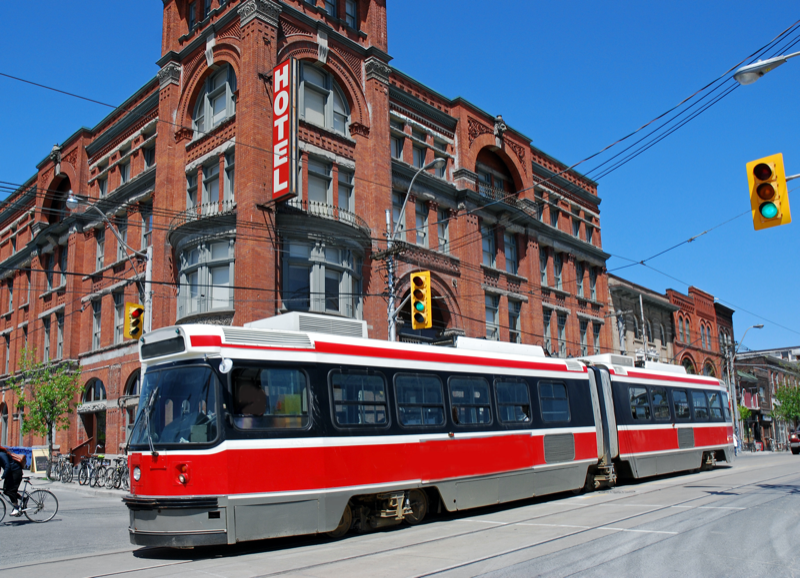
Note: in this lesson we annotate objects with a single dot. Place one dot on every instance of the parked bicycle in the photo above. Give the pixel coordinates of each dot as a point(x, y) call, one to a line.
point(37, 505)
point(117, 474)
point(92, 470)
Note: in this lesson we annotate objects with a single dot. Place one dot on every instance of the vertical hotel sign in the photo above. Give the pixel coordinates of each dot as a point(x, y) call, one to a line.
point(284, 131)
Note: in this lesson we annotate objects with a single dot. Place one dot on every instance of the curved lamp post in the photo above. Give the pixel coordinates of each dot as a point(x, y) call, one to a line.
point(752, 72)
point(391, 310)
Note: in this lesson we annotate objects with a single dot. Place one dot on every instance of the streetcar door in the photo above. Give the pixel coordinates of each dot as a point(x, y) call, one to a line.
point(610, 441)
point(599, 422)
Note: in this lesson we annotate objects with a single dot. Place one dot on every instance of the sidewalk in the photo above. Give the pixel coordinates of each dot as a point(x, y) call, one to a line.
point(40, 480)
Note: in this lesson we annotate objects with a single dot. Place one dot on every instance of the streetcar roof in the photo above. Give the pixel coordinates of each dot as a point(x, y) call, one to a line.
point(193, 341)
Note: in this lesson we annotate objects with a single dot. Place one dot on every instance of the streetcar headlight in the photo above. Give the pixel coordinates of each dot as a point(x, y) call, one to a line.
point(137, 473)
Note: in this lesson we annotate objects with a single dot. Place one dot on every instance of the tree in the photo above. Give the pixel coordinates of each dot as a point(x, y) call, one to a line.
point(745, 414)
point(789, 408)
point(46, 392)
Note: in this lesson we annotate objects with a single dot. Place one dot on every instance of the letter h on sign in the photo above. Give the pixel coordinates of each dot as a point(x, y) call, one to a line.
point(284, 131)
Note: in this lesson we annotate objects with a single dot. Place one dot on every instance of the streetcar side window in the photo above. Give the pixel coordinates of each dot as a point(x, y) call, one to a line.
point(658, 395)
point(265, 398)
point(700, 405)
point(640, 405)
point(554, 401)
point(420, 400)
point(359, 398)
point(725, 407)
point(681, 403)
point(715, 405)
point(513, 401)
point(469, 399)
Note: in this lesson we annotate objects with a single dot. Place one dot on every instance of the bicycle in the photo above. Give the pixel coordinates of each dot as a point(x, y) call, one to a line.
point(38, 505)
point(117, 474)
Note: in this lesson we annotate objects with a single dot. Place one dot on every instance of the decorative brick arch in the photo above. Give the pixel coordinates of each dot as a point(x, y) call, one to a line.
point(488, 140)
point(54, 195)
point(348, 81)
point(195, 75)
point(709, 363)
point(688, 358)
point(441, 288)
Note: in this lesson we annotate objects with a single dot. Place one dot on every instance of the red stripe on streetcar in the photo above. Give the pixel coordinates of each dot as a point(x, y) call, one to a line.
point(642, 375)
point(206, 341)
point(319, 468)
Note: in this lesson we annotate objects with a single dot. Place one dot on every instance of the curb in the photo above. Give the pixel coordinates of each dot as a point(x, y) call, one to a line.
point(74, 487)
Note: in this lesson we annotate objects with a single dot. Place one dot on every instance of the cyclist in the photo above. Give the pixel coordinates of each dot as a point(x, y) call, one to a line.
point(12, 474)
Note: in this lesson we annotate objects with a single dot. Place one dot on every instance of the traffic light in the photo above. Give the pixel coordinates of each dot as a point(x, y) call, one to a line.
point(134, 314)
point(421, 300)
point(769, 198)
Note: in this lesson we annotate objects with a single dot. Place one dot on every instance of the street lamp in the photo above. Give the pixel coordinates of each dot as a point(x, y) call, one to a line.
point(732, 380)
point(73, 202)
point(752, 72)
point(392, 234)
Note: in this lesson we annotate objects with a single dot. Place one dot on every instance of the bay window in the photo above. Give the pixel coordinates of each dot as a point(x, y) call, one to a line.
point(206, 274)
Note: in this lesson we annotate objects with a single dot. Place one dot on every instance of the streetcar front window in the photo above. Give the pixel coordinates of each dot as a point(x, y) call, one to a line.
point(178, 406)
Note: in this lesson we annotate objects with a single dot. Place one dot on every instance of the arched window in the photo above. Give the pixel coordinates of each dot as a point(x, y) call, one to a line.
point(95, 391)
point(663, 334)
point(649, 335)
point(680, 329)
point(688, 335)
point(216, 101)
point(688, 365)
point(703, 336)
point(636, 333)
point(708, 369)
point(321, 100)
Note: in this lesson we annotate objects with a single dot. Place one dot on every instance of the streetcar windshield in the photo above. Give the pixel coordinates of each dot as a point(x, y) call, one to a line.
point(178, 406)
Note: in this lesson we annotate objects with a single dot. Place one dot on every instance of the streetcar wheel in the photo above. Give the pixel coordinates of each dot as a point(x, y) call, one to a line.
point(41, 506)
point(418, 501)
point(796, 451)
point(344, 523)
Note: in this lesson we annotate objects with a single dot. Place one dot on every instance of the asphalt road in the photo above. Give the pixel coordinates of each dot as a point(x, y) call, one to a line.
point(731, 521)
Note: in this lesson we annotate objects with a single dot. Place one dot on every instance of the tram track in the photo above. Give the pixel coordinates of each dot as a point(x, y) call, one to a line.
point(153, 553)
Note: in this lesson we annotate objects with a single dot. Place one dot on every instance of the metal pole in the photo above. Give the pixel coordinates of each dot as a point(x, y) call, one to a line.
point(148, 291)
point(391, 313)
point(644, 329)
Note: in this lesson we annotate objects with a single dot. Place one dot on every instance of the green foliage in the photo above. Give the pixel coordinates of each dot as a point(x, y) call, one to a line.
point(744, 413)
point(46, 392)
point(789, 408)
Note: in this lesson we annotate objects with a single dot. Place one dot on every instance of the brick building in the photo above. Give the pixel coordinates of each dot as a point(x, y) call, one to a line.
point(184, 168)
point(703, 332)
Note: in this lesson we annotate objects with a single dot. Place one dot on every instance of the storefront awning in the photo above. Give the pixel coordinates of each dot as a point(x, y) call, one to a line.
point(747, 376)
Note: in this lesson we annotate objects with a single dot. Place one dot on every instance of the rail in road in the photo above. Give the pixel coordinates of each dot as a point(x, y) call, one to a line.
point(731, 520)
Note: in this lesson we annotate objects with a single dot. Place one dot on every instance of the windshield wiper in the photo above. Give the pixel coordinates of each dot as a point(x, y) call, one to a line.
point(151, 401)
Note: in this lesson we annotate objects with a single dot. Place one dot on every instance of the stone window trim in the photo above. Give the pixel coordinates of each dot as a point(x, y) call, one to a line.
point(204, 267)
point(558, 292)
point(502, 292)
point(412, 125)
point(503, 273)
point(192, 167)
point(591, 318)
point(590, 218)
point(121, 146)
point(61, 288)
point(558, 308)
point(111, 289)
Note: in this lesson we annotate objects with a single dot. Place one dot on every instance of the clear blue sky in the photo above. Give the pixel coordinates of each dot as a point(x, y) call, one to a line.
point(573, 75)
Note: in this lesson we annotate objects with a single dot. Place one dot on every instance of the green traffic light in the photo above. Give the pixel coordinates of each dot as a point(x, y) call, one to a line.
point(768, 210)
point(419, 306)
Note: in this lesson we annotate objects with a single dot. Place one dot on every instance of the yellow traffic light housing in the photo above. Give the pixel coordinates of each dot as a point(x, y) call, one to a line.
point(769, 198)
point(421, 317)
point(134, 316)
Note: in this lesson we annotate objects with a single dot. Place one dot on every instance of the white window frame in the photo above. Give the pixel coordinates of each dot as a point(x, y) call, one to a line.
point(562, 333)
point(46, 331)
point(488, 246)
point(201, 272)
point(97, 312)
point(511, 253)
point(596, 337)
point(323, 263)
point(543, 258)
point(230, 177)
point(584, 325)
point(119, 316)
point(124, 172)
point(514, 321)
point(147, 225)
point(100, 254)
point(592, 284)
point(102, 186)
point(122, 230)
point(421, 216)
point(443, 230)
point(63, 260)
point(579, 274)
point(558, 270)
point(203, 116)
point(330, 92)
point(59, 335)
point(492, 304)
point(397, 208)
point(547, 339)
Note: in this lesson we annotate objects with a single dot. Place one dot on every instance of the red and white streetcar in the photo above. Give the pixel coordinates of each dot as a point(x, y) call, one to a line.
point(299, 424)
